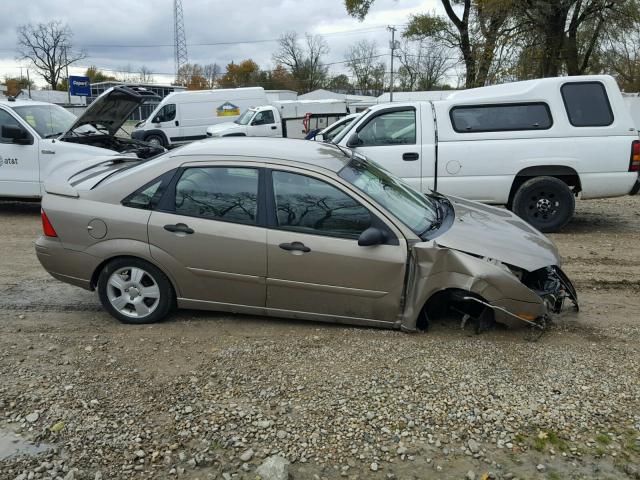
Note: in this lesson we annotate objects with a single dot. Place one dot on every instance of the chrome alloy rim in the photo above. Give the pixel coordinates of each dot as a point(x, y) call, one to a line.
point(133, 292)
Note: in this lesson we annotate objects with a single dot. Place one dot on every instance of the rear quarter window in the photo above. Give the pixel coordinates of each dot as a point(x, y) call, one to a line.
point(501, 118)
point(587, 104)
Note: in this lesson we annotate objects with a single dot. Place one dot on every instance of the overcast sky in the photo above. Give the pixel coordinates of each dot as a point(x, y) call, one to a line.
point(107, 30)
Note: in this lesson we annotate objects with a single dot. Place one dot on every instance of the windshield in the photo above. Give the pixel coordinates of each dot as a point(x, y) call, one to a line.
point(338, 137)
point(416, 210)
point(50, 120)
point(338, 127)
point(245, 118)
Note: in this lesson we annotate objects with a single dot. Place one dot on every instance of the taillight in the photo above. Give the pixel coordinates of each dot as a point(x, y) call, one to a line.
point(634, 164)
point(47, 228)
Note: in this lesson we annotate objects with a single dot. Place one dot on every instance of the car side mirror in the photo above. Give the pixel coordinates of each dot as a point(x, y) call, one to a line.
point(372, 236)
point(319, 137)
point(354, 140)
point(17, 134)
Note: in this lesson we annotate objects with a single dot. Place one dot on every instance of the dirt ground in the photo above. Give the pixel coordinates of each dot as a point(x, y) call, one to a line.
point(187, 397)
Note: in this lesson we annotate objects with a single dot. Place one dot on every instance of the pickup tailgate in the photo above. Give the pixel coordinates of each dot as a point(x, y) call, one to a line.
point(84, 175)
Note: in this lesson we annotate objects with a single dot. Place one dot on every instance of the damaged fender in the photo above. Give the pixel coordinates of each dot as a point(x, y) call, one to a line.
point(433, 268)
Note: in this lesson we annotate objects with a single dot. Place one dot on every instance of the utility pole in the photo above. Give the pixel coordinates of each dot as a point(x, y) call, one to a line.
point(66, 66)
point(393, 48)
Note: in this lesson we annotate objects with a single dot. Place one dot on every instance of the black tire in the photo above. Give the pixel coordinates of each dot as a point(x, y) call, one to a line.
point(547, 203)
point(156, 139)
point(110, 295)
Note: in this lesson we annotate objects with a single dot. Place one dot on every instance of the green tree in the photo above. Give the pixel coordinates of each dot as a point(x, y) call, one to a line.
point(244, 74)
point(96, 76)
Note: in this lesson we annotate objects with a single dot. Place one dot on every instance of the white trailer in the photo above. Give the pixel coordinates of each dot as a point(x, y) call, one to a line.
point(287, 118)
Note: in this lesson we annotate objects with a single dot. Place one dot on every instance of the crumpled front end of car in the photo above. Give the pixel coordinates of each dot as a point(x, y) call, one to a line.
point(481, 289)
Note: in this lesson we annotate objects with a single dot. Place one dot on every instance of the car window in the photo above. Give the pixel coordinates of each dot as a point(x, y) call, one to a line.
point(7, 120)
point(587, 104)
point(218, 193)
point(264, 118)
point(392, 128)
point(167, 113)
point(142, 198)
point(307, 205)
point(501, 118)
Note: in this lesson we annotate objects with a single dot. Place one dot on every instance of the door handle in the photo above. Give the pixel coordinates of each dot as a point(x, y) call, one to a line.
point(177, 123)
point(295, 247)
point(410, 156)
point(274, 127)
point(47, 152)
point(179, 228)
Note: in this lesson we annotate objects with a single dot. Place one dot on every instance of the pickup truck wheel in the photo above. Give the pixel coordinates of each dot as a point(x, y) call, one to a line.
point(155, 140)
point(546, 203)
point(134, 291)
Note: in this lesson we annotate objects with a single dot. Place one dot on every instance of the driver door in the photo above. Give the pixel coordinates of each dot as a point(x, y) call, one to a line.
point(264, 124)
point(167, 121)
point(19, 166)
point(314, 262)
point(391, 138)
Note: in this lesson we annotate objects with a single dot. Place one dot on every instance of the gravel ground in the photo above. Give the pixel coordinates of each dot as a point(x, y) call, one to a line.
point(209, 395)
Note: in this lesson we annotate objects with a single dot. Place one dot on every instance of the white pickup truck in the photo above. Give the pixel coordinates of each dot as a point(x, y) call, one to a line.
point(533, 146)
point(37, 138)
point(285, 118)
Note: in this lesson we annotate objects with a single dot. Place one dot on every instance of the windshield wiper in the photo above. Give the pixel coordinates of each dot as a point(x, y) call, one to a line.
point(51, 135)
point(437, 222)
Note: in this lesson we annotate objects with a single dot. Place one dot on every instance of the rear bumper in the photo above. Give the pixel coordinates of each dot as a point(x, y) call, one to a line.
point(69, 266)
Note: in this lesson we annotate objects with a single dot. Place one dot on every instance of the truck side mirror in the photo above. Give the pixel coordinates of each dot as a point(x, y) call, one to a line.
point(354, 141)
point(17, 134)
point(371, 236)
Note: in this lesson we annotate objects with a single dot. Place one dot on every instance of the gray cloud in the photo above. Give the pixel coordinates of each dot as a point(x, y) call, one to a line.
point(105, 29)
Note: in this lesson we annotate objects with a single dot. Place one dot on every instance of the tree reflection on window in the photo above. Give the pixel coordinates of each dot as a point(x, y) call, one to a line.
point(308, 205)
point(219, 193)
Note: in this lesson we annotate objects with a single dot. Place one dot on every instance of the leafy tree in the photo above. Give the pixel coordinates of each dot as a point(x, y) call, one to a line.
point(96, 76)
point(16, 84)
point(49, 47)
point(243, 74)
point(304, 62)
point(475, 32)
point(340, 83)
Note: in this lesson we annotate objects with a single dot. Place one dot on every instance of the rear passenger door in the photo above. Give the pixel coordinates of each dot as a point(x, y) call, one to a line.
point(208, 235)
point(315, 264)
point(391, 138)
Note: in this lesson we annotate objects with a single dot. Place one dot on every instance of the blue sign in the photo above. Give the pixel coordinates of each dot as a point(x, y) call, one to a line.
point(80, 86)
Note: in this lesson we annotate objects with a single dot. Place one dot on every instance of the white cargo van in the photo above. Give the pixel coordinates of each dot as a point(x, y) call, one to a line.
point(287, 118)
point(37, 138)
point(183, 117)
point(533, 146)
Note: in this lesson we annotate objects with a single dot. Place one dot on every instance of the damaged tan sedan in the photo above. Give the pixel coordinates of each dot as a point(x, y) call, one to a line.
point(289, 228)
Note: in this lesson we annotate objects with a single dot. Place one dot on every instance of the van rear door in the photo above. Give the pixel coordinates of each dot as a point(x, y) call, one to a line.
point(392, 137)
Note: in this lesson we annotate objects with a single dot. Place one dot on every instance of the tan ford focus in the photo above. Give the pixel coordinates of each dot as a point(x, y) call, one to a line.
point(290, 228)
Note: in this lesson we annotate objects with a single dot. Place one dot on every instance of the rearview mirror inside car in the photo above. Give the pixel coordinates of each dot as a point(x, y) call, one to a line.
point(17, 134)
point(371, 236)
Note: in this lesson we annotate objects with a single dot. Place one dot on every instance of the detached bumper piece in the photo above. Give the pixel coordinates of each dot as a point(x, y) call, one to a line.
point(553, 286)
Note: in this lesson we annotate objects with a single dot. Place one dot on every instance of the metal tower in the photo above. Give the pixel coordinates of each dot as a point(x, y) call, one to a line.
point(180, 44)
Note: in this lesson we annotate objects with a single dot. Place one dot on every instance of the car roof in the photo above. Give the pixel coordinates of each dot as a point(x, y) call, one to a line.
point(318, 154)
point(19, 103)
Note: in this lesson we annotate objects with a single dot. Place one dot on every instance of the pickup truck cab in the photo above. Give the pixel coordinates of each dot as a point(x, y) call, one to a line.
point(37, 138)
point(285, 118)
point(533, 146)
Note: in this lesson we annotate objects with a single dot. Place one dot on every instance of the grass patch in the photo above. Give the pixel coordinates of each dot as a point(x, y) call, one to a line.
point(554, 475)
point(549, 437)
point(603, 439)
point(560, 443)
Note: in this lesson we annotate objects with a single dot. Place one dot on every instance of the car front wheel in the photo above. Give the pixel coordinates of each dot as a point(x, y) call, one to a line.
point(155, 140)
point(547, 203)
point(135, 291)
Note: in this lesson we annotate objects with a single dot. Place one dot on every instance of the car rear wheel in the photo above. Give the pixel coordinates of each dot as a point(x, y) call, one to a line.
point(134, 291)
point(155, 140)
point(547, 203)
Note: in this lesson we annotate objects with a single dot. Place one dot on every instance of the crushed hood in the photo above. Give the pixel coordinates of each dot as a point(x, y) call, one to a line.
point(111, 109)
point(498, 234)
